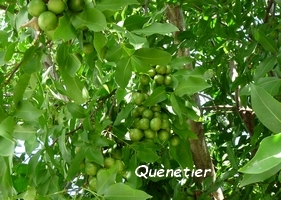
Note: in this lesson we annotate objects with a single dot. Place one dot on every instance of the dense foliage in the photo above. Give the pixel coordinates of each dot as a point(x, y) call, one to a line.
point(91, 90)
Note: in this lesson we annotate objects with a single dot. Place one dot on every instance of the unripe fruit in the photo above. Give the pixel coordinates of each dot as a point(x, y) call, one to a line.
point(93, 183)
point(144, 79)
point(159, 79)
point(151, 72)
point(136, 123)
point(160, 69)
point(167, 80)
point(91, 168)
point(163, 135)
point(175, 140)
point(156, 108)
point(138, 98)
point(88, 48)
point(157, 115)
point(135, 134)
point(56, 6)
point(149, 134)
point(165, 124)
point(155, 124)
point(141, 109)
point(109, 162)
point(121, 165)
point(147, 113)
point(144, 123)
point(36, 7)
point(47, 21)
point(76, 5)
point(169, 69)
point(117, 154)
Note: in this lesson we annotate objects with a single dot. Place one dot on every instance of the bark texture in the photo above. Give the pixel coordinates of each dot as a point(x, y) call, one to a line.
point(201, 155)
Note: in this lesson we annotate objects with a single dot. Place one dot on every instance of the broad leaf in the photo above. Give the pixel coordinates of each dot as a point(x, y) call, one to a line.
point(265, 67)
point(123, 72)
point(191, 86)
point(157, 28)
point(266, 108)
point(21, 87)
point(270, 84)
point(176, 107)
point(153, 56)
point(182, 154)
point(159, 94)
point(267, 156)
point(65, 29)
point(138, 65)
point(125, 112)
point(145, 152)
point(266, 42)
point(76, 110)
point(24, 132)
point(114, 4)
point(99, 43)
point(106, 178)
point(27, 111)
point(121, 191)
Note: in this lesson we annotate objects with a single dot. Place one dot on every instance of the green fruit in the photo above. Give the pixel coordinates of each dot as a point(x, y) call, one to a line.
point(117, 154)
point(36, 7)
point(169, 69)
point(109, 162)
point(165, 124)
point(149, 134)
point(136, 123)
point(159, 79)
point(147, 113)
point(135, 134)
point(135, 112)
point(56, 6)
point(93, 183)
point(91, 168)
point(76, 5)
point(163, 135)
point(121, 165)
point(175, 140)
point(88, 48)
point(165, 116)
point(141, 109)
point(144, 79)
point(144, 124)
point(156, 108)
point(47, 21)
point(151, 72)
point(155, 124)
point(138, 98)
point(168, 80)
point(157, 115)
point(160, 69)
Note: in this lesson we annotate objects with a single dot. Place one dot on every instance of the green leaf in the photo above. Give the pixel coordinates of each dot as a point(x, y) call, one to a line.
point(76, 110)
point(9, 52)
point(267, 156)
point(157, 28)
point(91, 18)
point(265, 67)
point(270, 84)
point(120, 191)
point(33, 65)
point(153, 56)
point(266, 42)
point(254, 178)
point(106, 178)
point(125, 112)
point(145, 152)
point(21, 87)
point(7, 144)
point(182, 154)
point(266, 108)
point(134, 22)
point(72, 64)
point(159, 94)
point(24, 132)
point(6, 147)
point(99, 43)
point(65, 29)
point(65, 153)
point(190, 86)
point(123, 72)
point(75, 164)
point(27, 111)
point(138, 65)
point(114, 4)
point(175, 105)
point(94, 154)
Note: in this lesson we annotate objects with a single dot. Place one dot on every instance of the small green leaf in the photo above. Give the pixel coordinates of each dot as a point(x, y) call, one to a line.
point(153, 56)
point(190, 86)
point(266, 108)
point(6, 147)
point(134, 22)
point(123, 72)
point(106, 178)
point(122, 191)
point(9, 52)
point(65, 29)
point(21, 87)
point(76, 110)
point(75, 164)
point(66, 155)
point(265, 67)
point(94, 154)
point(24, 132)
point(91, 18)
point(159, 94)
point(138, 65)
point(266, 42)
point(175, 105)
point(270, 84)
point(27, 111)
point(72, 64)
point(125, 112)
point(254, 178)
point(136, 40)
point(145, 153)
point(33, 65)
point(267, 156)
point(157, 28)
point(114, 4)
point(99, 43)
point(182, 154)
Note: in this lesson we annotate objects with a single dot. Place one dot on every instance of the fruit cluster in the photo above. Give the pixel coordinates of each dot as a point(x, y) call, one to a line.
point(48, 13)
point(151, 123)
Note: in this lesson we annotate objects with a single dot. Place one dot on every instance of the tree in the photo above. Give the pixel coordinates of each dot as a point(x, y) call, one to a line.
point(140, 99)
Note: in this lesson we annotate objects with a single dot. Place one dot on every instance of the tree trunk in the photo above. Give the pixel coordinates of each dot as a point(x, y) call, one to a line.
point(200, 153)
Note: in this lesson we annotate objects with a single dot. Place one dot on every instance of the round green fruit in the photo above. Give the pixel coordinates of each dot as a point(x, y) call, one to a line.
point(175, 140)
point(88, 48)
point(121, 165)
point(144, 123)
point(36, 7)
point(147, 113)
point(138, 98)
point(169, 69)
point(157, 115)
point(160, 69)
point(141, 109)
point(93, 183)
point(135, 134)
point(56, 6)
point(155, 124)
point(91, 168)
point(135, 112)
point(159, 79)
point(168, 80)
point(151, 72)
point(76, 5)
point(109, 162)
point(163, 135)
point(156, 108)
point(117, 154)
point(165, 124)
point(136, 123)
point(149, 134)
point(144, 79)
point(47, 21)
